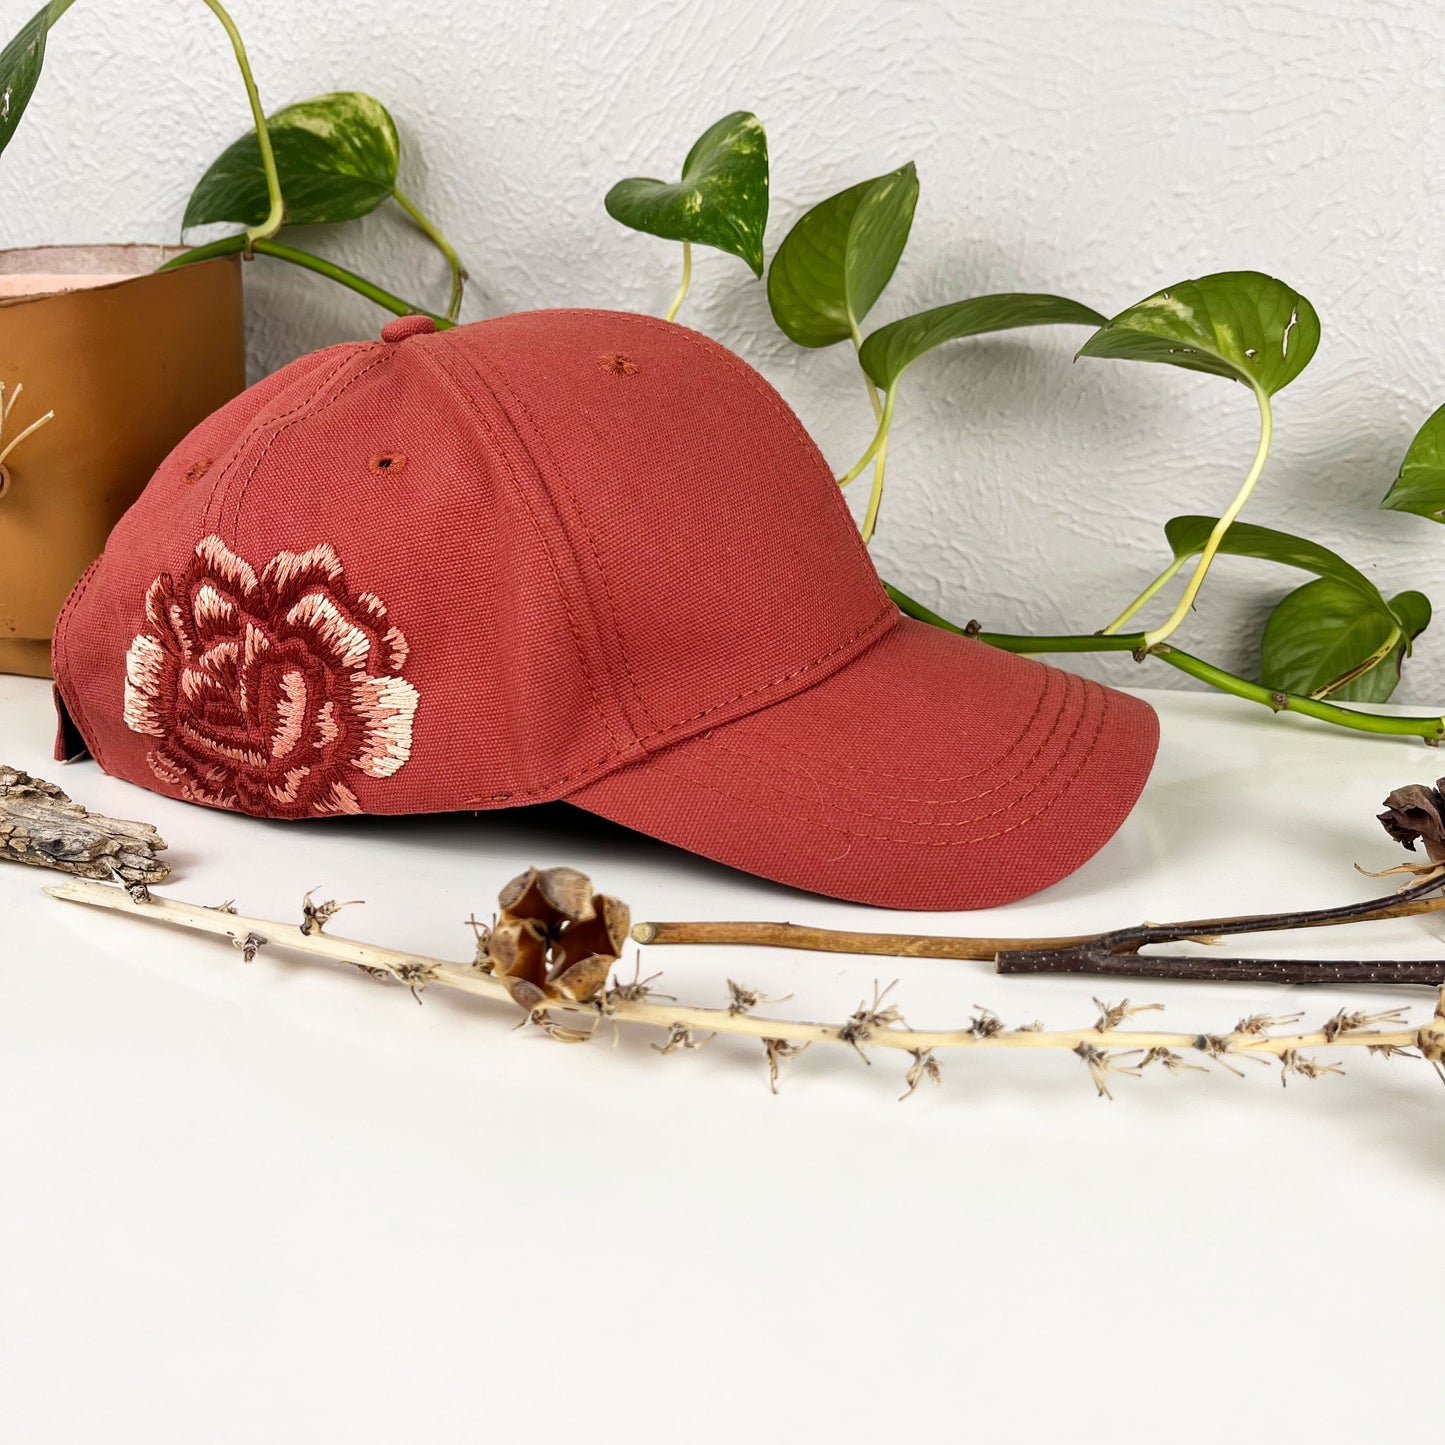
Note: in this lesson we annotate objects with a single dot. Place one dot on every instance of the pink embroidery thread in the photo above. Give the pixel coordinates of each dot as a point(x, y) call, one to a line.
point(265, 692)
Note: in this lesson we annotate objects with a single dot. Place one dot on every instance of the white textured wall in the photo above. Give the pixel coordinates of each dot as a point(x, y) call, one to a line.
point(1093, 147)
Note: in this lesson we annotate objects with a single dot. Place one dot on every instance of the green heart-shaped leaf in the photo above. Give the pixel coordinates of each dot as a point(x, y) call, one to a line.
point(1327, 630)
point(336, 158)
point(1187, 536)
point(834, 264)
point(1240, 324)
point(1420, 486)
point(721, 200)
point(20, 64)
point(892, 349)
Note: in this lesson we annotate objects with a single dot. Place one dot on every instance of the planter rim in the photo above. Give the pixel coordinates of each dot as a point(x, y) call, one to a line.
point(130, 260)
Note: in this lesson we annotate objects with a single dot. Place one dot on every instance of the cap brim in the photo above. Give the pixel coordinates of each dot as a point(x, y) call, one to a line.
point(931, 772)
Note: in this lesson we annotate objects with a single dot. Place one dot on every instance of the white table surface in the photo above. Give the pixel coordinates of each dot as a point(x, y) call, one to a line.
point(280, 1202)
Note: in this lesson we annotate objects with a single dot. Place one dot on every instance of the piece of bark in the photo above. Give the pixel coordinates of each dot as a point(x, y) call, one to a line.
point(39, 825)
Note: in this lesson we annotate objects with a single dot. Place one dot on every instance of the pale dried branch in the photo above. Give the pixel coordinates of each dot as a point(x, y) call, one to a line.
point(879, 1024)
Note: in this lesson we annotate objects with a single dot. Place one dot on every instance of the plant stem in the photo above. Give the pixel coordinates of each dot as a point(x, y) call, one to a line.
point(459, 275)
point(231, 245)
point(1429, 728)
point(1016, 642)
point(869, 1027)
point(883, 415)
point(867, 380)
point(1162, 580)
point(1432, 729)
point(880, 439)
point(276, 216)
point(875, 497)
point(678, 299)
point(1206, 557)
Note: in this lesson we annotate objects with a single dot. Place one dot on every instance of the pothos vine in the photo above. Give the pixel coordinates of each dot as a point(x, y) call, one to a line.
point(1335, 641)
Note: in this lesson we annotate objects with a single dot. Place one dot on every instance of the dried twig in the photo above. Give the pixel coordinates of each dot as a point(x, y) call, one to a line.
point(1102, 963)
point(1405, 904)
point(878, 1025)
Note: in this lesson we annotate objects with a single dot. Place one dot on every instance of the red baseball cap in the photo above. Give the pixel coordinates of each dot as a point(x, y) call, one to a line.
point(580, 555)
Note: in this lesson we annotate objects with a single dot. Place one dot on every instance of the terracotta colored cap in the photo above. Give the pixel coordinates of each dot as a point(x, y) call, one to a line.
point(574, 555)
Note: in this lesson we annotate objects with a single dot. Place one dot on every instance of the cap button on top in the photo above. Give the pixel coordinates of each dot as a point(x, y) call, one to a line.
point(405, 326)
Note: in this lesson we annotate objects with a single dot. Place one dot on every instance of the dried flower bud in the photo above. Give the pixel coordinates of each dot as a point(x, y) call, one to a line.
point(555, 939)
point(1417, 812)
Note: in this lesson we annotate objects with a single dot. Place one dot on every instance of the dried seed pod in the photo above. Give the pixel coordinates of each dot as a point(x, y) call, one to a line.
point(551, 895)
point(1416, 813)
point(518, 948)
point(555, 939)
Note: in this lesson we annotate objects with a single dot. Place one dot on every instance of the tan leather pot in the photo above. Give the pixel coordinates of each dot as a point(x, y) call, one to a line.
point(129, 360)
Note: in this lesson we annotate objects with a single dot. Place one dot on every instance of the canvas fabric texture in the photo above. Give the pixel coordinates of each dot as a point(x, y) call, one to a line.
point(572, 554)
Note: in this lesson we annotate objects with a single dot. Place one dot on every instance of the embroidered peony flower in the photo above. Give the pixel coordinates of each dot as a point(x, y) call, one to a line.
point(269, 694)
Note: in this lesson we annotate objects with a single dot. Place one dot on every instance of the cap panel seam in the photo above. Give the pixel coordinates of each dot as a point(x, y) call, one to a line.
point(620, 757)
point(496, 381)
point(313, 406)
point(64, 673)
point(881, 616)
point(621, 744)
point(705, 344)
point(257, 427)
point(700, 341)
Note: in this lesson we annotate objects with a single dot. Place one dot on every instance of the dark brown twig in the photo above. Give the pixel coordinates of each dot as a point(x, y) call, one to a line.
point(1101, 962)
point(1406, 902)
point(1116, 955)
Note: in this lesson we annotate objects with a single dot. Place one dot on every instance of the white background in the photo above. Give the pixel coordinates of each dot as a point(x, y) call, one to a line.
point(280, 1204)
point(1100, 149)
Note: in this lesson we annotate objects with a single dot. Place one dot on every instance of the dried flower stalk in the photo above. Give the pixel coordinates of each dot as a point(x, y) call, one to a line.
point(1107, 1051)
